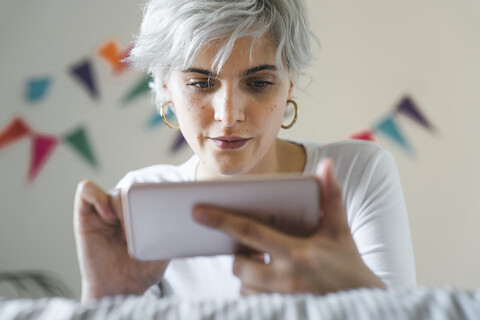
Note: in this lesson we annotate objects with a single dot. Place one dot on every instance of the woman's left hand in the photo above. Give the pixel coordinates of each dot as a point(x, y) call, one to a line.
point(325, 262)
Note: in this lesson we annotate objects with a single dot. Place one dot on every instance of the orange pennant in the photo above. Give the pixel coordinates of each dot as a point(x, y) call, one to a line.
point(15, 130)
point(110, 52)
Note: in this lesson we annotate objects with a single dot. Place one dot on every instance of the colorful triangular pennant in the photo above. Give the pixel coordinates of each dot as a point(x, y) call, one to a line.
point(83, 72)
point(110, 52)
point(14, 131)
point(37, 88)
point(142, 87)
point(42, 147)
point(408, 108)
point(179, 142)
point(389, 127)
point(366, 134)
point(155, 120)
point(79, 141)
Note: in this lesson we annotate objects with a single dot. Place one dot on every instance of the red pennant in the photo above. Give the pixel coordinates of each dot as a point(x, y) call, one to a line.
point(42, 147)
point(15, 130)
point(366, 134)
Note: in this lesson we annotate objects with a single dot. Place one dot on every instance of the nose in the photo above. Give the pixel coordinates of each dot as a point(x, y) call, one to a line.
point(229, 106)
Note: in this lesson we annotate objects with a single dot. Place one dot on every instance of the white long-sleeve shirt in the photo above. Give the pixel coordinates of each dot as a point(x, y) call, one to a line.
point(375, 211)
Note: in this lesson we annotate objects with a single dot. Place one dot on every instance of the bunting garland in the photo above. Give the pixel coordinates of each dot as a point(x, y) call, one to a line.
point(14, 131)
point(79, 141)
point(367, 135)
point(142, 87)
point(43, 145)
point(112, 55)
point(83, 73)
point(408, 108)
point(155, 120)
point(37, 88)
point(179, 142)
point(42, 148)
point(389, 127)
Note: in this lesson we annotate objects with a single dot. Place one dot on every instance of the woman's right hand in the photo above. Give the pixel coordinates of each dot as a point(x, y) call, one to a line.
point(105, 265)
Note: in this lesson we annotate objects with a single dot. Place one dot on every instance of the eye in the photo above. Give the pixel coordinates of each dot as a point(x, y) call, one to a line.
point(204, 84)
point(260, 84)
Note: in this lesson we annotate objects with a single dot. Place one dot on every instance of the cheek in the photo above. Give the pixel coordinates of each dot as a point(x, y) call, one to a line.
point(194, 114)
point(272, 115)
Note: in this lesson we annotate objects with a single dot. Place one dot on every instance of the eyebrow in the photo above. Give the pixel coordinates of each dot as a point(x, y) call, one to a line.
point(201, 71)
point(243, 74)
point(258, 69)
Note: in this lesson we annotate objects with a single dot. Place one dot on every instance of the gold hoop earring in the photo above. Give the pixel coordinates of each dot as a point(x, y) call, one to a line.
point(162, 113)
point(295, 106)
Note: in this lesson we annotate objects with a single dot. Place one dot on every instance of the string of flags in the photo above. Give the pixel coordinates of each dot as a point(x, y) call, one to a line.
point(389, 127)
point(43, 145)
point(83, 72)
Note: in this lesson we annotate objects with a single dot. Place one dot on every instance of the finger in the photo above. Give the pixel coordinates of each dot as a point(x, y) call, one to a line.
point(246, 290)
point(258, 257)
point(248, 232)
point(115, 199)
point(262, 277)
point(334, 220)
point(88, 196)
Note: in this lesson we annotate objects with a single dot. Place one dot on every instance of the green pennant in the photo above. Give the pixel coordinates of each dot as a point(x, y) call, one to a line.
point(79, 141)
point(142, 87)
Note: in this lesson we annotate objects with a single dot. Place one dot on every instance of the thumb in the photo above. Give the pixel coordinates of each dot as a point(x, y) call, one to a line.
point(333, 220)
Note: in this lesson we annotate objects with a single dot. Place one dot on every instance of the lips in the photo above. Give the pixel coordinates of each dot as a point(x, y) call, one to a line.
point(229, 142)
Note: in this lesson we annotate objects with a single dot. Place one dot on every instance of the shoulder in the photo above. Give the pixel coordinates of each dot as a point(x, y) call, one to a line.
point(349, 155)
point(161, 173)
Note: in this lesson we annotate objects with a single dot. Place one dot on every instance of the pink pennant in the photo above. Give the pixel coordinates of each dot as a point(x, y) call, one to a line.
point(42, 148)
point(14, 131)
point(366, 134)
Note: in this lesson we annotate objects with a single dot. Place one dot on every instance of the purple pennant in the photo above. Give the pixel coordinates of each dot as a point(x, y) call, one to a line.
point(178, 143)
point(83, 72)
point(408, 108)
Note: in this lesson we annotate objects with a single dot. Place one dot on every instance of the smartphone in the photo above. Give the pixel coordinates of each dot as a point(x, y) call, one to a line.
point(159, 224)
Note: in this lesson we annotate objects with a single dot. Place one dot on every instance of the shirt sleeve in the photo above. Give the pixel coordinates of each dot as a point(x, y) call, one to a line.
point(378, 219)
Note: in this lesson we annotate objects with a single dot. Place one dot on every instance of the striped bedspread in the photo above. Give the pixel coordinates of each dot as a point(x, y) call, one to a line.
point(420, 303)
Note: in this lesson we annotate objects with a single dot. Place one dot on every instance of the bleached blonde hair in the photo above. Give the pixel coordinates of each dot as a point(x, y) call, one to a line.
point(173, 32)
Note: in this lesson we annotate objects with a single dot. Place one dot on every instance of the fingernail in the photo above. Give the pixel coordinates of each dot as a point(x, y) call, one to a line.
point(200, 216)
point(321, 168)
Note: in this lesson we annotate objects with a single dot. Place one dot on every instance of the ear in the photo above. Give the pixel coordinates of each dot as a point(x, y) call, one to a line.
point(165, 90)
point(290, 90)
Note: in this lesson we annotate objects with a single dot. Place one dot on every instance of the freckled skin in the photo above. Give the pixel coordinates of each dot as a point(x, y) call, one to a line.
point(232, 103)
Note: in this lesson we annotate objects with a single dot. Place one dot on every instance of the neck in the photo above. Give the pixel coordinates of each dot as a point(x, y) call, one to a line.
point(283, 157)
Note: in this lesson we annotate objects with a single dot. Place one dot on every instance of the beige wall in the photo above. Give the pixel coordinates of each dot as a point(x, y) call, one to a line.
point(372, 52)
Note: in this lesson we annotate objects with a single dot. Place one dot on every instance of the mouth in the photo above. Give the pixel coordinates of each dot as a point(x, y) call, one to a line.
point(230, 142)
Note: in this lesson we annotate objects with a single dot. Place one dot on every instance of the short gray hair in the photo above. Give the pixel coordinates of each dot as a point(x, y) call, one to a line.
point(173, 32)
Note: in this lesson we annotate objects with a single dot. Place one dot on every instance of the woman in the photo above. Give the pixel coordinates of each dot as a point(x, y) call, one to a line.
point(227, 69)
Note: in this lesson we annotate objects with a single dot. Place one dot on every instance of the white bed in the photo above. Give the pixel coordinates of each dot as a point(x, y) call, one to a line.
point(420, 303)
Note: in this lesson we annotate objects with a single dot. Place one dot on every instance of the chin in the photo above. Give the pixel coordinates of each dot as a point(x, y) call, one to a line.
point(228, 169)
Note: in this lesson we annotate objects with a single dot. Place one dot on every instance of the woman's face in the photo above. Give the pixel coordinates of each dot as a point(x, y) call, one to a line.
point(231, 119)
